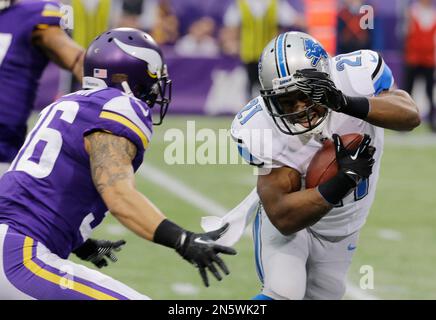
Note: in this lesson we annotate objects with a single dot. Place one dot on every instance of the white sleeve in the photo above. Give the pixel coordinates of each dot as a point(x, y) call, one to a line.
point(254, 136)
point(361, 73)
point(381, 75)
point(243, 140)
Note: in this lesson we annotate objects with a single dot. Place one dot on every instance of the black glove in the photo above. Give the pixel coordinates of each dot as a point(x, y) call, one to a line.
point(96, 251)
point(318, 85)
point(353, 167)
point(356, 165)
point(201, 250)
point(197, 248)
point(310, 81)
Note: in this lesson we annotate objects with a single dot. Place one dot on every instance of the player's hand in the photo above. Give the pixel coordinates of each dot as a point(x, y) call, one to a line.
point(201, 250)
point(320, 88)
point(96, 251)
point(356, 165)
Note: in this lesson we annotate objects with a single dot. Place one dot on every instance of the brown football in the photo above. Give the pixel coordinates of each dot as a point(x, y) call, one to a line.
point(323, 165)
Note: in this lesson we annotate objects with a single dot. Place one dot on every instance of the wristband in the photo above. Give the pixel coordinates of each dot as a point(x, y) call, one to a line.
point(168, 234)
point(357, 107)
point(336, 188)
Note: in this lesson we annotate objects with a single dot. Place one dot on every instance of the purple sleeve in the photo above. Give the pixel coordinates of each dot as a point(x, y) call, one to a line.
point(48, 13)
point(126, 118)
point(118, 129)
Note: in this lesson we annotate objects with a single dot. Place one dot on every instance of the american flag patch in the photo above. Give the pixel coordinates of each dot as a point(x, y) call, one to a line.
point(100, 73)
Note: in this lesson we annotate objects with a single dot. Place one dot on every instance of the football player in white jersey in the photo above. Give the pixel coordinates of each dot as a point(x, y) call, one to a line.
point(305, 238)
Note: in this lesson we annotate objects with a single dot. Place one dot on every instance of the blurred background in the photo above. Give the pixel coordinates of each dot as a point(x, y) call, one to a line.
point(212, 48)
point(216, 44)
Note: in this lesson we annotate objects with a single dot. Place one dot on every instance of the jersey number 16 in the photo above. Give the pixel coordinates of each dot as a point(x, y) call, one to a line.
point(43, 145)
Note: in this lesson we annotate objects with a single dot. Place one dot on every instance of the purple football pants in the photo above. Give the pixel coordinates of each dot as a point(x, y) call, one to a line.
point(28, 270)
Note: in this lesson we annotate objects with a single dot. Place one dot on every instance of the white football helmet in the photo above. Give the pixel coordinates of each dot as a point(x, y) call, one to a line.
point(281, 58)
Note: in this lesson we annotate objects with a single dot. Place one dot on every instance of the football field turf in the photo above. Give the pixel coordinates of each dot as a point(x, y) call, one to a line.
point(398, 241)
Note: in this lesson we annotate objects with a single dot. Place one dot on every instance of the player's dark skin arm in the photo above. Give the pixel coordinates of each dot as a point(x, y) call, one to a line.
point(394, 110)
point(60, 49)
point(112, 172)
point(391, 109)
point(288, 208)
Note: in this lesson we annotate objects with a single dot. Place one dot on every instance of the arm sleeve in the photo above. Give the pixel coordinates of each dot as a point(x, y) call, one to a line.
point(361, 73)
point(48, 13)
point(254, 146)
point(247, 156)
point(128, 118)
point(382, 77)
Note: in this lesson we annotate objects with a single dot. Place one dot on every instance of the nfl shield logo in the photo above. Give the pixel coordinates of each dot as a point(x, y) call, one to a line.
point(100, 73)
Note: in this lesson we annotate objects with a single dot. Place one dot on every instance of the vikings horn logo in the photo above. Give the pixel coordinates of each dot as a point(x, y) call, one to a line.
point(314, 51)
point(152, 57)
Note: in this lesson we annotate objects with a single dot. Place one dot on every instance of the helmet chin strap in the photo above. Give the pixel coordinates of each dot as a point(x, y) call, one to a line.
point(126, 88)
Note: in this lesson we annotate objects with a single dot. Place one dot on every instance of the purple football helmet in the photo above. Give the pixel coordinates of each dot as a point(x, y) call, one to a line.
point(130, 60)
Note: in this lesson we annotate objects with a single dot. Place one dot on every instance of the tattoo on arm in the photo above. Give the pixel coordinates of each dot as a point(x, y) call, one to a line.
point(111, 159)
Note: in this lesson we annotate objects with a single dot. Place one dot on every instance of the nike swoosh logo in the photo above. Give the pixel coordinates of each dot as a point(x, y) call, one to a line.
point(198, 240)
point(150, 56)
point(144, 111)
point(354, 156)
point(351, 247)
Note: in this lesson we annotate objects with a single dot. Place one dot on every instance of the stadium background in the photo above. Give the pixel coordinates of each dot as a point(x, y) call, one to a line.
point(210, 84)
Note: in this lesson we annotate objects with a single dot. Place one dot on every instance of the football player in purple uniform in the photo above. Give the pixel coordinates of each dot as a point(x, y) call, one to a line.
point(79, 162)
point(30, 36)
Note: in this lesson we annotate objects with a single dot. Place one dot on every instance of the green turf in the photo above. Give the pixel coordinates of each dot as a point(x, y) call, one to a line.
point(405, 203)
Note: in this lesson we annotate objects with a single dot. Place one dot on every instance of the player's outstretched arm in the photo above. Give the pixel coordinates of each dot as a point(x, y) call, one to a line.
point(393, 109)
point(60, 49)
point(112, 172)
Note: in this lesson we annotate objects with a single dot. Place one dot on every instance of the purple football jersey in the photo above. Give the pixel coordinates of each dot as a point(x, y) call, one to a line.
point(48, 192)
point(21, 66)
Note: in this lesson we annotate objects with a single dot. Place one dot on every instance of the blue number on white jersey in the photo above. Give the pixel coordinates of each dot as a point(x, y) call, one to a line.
point(353, 59)
point(253, 107)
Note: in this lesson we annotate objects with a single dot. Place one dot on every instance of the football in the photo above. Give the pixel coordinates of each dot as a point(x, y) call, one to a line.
point(323, 165)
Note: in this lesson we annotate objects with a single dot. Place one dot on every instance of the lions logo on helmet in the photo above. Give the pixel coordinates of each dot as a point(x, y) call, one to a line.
point(314, 51)
point(294, 109)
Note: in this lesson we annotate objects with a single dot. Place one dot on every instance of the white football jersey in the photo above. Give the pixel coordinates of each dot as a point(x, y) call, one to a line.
point(360, 73)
